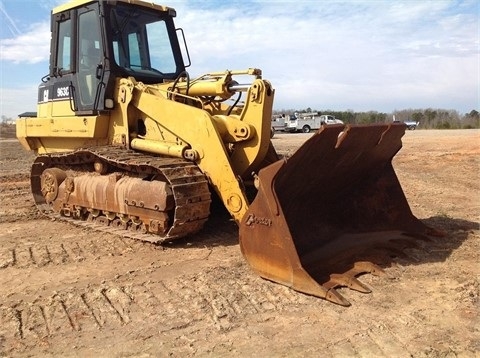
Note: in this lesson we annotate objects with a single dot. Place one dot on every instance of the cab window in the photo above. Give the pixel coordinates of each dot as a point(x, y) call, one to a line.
point(63, 61)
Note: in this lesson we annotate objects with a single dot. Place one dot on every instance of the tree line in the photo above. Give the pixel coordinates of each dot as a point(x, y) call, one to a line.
point(428, 118)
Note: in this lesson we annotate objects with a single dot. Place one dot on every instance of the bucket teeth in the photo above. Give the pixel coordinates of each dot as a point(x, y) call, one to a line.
point(335, 297)
point(348, 281)
point(368, 267)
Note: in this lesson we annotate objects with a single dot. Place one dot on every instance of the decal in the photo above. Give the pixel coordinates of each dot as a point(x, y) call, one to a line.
point(63, 92)
point(252, 219)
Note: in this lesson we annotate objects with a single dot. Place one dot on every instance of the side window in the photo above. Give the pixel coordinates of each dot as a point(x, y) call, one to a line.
point(89, 39)
point(90, 56)
point(161, 54)
point(116, 55)
point(64, 60)
point(134, 50)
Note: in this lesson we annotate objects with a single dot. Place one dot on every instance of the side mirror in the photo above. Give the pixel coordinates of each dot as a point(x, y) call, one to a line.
point(183, 48)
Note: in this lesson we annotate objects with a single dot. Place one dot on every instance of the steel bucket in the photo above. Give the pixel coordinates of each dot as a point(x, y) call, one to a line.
point(331, 212)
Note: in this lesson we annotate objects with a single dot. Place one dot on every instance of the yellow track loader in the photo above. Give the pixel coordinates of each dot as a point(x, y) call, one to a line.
point(127, 141)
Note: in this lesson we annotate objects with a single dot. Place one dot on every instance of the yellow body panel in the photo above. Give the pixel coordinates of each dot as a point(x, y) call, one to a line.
point(59, 134)
point(61, 109)
point(172, 122)
point(66, 127)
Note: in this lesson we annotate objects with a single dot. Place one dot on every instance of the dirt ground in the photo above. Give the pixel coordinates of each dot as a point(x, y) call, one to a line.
point(70, 291)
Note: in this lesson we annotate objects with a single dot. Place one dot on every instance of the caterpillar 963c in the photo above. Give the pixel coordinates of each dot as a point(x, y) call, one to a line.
point(126, 140)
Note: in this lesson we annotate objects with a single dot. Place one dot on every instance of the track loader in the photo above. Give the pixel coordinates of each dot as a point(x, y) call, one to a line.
point(127, 141)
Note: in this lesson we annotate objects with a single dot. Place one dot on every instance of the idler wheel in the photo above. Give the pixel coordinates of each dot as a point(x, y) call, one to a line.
point(100, 167)
point(50, 180)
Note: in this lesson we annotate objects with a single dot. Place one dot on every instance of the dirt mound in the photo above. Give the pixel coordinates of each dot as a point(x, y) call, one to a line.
point(71, 291)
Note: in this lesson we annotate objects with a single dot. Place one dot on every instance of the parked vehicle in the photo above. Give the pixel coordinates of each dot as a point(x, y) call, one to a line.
point(307, 122)
point(412, 125)
point(284, 123)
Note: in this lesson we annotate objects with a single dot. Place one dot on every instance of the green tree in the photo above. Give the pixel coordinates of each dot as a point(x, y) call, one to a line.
point(474, 114)
point(430, 117)
point(472, 119)
point(417, 116)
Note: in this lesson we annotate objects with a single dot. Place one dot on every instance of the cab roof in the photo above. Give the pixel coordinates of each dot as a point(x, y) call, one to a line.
point(76, 3)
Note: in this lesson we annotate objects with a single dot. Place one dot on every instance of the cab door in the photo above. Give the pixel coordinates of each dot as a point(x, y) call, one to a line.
point(75, 83)
point(90, 60)
point(55, 94)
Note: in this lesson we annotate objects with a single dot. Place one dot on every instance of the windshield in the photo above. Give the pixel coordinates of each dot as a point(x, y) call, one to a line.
point(141, 43)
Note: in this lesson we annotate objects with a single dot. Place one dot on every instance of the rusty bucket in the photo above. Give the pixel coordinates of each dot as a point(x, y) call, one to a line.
point(331, 212)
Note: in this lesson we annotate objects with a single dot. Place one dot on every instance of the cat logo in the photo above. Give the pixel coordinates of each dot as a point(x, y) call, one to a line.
point(45, 95)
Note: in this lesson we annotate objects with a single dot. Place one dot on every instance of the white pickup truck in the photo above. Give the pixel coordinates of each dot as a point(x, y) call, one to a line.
point(311, 121)
point(411, 125)
point(285, 123)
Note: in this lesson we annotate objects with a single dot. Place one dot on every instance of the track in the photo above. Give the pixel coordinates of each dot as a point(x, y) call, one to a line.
point(188, 184)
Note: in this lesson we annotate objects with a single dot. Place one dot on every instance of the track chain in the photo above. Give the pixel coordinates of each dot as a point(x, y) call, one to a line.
point(188, 184)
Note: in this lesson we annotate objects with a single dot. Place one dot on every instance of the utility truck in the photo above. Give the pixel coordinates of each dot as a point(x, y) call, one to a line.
point(412, 125)
point(306, 122)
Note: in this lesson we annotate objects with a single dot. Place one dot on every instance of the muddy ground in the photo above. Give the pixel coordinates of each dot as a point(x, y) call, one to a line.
point(71, 291)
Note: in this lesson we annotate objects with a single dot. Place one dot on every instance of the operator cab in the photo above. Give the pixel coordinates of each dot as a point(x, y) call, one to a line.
point(95, 43)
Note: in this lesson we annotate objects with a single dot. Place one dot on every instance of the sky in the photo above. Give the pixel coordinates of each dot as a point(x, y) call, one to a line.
point(359, 55)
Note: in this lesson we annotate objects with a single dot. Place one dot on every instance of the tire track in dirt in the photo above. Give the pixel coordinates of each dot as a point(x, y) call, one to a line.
point(199, 296)
point(16, 202)
point(68, 311)
point(13, 178)
point(172, 304)
point(44, 255)
point(75, 246)
point(377, 342)
point(222, 295)
point(221, 304)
